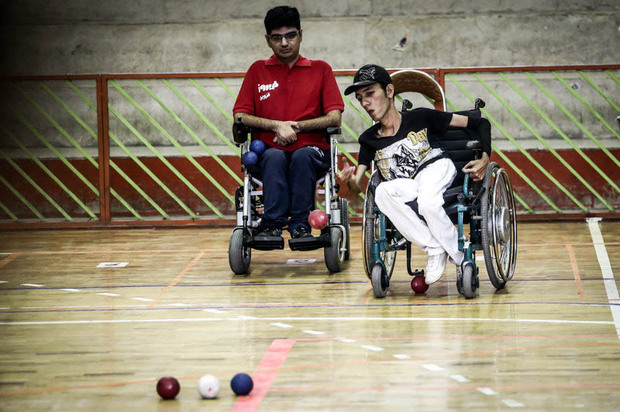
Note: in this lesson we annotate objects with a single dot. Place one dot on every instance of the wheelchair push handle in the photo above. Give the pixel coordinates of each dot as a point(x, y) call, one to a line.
point(240, 132)
point(330, 131)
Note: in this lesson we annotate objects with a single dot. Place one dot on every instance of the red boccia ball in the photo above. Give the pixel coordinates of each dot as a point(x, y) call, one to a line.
point(317, 219)
point(418, 284)
point(168, 387)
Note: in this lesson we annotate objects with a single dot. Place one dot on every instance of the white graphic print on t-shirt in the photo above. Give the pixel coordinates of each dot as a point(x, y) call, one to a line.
point(402, 158)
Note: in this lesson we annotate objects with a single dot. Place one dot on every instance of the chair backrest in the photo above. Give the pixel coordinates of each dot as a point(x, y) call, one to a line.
point(419, 82)
point(461, 144)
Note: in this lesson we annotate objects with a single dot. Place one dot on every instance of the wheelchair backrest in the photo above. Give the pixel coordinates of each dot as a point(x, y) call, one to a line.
point(462, 145)
point(419, 82)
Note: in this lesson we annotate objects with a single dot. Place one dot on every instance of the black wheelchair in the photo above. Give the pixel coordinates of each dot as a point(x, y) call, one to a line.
point(334, 237)
point(488, 207)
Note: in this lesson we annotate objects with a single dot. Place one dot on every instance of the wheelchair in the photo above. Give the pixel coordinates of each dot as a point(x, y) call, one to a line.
point(334, 237)
point(488, 207)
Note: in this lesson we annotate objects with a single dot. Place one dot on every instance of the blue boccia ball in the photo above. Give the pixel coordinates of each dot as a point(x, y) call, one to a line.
point(258, 147)
point(249, 159)
point(242, 384)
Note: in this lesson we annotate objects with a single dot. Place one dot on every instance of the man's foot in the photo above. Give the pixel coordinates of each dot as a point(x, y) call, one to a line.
point(268, 233)
point(435, 266)
point(300, 232)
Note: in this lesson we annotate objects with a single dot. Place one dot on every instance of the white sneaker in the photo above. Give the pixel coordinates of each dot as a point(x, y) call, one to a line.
point(435, 266)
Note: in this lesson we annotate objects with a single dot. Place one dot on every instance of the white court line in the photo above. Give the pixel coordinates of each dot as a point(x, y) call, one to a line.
point(214, 311)
point(346, 340)
point(418, 319)
point(459, 378)
point(401, 356)
point(512, 403)
point(108, 294)
point(144, 299)
point(294, 319)
point(373, 348)
point(33, 285)
point(83, 322)
point(70, 290)
point(313, 332)
point(433, 368)
point(608, 274)
point(487, 391)
point(4, 281)
point(281, 325)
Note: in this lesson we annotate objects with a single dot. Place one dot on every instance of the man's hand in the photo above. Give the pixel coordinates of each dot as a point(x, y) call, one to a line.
point(347, 172)
point(477, 168)
point(286, 133)
point(352, 176)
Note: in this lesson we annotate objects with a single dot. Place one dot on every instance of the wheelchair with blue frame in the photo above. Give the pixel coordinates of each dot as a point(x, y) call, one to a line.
point(488, 207)
point(334, 237)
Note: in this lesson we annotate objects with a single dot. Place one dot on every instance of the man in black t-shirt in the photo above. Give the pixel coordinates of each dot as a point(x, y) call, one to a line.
point(411, 169)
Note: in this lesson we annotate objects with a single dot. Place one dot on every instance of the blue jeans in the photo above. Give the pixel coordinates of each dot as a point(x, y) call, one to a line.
point(289, 184)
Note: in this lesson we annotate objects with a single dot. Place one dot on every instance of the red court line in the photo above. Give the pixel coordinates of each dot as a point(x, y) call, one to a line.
point(176, 280)
point(109, 251)
point(284, 305)
point(8, 259)
point(265, 374)
point(70, 388)
point(494, 352)
point(573, 262)
point(444, 388)
point(184, 250)
point(272, 361)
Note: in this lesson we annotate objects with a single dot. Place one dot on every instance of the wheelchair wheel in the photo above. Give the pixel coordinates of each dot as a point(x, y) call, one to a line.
point(335, 252)
point(470, 283)
point(379, 280)
point(239, 256)
point(499, 226)
point(371, 230)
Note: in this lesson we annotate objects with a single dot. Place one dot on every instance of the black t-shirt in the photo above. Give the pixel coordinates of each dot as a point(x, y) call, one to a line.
point(401, 155)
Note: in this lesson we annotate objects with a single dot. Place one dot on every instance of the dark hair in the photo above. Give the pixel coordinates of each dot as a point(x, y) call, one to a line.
point(282, 16)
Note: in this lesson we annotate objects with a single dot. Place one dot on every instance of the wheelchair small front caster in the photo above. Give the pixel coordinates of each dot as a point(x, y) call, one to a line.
point(469, 281)
point(379, 280)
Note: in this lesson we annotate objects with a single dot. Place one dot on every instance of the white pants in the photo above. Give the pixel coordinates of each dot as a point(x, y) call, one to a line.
point(438, 234)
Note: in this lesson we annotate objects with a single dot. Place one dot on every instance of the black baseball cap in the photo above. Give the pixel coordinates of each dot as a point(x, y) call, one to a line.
point(367, 75)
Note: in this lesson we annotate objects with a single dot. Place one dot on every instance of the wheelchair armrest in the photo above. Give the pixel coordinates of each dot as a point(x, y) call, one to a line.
point(332, 131)
point(474, 145)
point(240, 132)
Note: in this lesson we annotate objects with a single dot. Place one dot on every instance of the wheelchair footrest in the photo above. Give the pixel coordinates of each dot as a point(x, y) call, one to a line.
point(266, 243)
point(309, 243)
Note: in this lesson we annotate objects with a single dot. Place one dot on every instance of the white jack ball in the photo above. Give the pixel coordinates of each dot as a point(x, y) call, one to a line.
point(209, 387)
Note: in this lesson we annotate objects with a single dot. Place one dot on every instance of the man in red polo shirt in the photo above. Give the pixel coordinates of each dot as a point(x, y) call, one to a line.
point(291, 100)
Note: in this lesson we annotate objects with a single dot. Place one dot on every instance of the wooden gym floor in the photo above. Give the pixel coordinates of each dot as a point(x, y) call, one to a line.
point(76, 336)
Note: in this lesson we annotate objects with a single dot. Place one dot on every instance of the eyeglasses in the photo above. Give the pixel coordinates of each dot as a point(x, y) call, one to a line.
point(290, 36)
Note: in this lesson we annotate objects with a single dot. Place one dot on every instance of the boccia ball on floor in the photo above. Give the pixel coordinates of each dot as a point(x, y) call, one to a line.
point(168, 387)
point(418, 284)
point(241, 384)
point(317, 219)
point(208, 387)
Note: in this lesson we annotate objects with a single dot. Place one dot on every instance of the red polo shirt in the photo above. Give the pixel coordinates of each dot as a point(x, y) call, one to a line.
point(273, 91)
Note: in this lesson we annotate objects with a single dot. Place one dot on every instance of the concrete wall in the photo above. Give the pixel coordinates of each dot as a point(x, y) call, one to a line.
point(150, 36)
point(83, 36)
